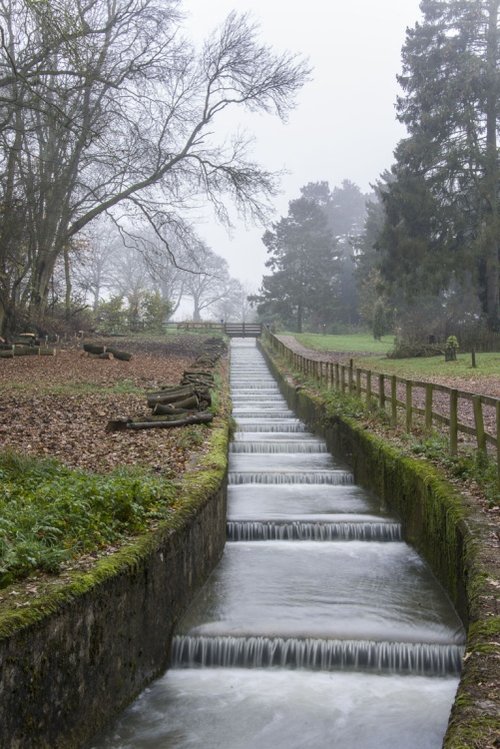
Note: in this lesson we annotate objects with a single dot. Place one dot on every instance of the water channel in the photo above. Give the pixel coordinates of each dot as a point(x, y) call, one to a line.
point(320, 627)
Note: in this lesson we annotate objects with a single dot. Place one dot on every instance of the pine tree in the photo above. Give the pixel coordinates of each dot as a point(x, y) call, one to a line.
point(443, 214)
point(303, 267)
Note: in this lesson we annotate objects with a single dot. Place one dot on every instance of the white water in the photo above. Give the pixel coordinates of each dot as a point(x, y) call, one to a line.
point(232, 708)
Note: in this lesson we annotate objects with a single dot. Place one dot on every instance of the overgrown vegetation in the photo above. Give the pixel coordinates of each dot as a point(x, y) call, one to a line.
point(50, 513)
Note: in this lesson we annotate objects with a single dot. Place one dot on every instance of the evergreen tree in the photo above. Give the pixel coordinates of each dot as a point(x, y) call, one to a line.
point(345, 210)
point(303, 267)
point(442, 208)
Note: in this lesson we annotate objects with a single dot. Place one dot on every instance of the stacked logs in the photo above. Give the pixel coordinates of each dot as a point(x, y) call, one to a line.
point(106, 352)
point(183, 404)
point(26, 344)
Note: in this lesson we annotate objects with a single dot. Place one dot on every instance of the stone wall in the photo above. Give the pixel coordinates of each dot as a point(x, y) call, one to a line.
point(450, 533)
point(66, 673)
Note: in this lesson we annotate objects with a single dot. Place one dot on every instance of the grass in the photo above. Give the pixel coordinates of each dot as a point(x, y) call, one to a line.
point(488, 365)
point(126, 387)
point(50, 513)
point(362, 343)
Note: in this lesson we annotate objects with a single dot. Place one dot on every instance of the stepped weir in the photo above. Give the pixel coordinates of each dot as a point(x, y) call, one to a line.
point(320, 627)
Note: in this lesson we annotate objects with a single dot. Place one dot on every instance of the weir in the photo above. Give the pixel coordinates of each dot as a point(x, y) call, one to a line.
point(320, 627)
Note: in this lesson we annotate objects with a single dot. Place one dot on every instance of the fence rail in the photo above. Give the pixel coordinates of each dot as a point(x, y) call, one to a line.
point(232, 329)
point(386, 390)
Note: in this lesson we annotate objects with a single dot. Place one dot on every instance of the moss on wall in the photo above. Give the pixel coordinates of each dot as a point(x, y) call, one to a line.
point(449, 532)
point(73, 658)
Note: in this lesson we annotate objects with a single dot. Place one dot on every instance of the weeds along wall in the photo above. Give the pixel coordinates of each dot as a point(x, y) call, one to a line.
point(75, 659)
point(449, 533)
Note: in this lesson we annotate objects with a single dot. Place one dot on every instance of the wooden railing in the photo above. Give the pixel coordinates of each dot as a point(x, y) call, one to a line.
point(192, 325)
point(238, 329)
point(386, 390)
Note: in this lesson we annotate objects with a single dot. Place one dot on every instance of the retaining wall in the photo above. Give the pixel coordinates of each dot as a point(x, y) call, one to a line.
point(451, 535)
point(66, 671)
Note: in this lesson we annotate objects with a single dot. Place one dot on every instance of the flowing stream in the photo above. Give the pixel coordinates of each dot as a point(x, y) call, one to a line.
point(320, 627)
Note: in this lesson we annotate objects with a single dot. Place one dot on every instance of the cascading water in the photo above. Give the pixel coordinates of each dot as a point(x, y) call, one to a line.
point(320, 627)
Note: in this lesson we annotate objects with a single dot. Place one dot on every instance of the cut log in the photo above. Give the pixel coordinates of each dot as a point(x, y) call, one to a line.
point(191, 404)
point(91, 348)
point(25, 350)
point(171, 408)
point(198, 373)
point(121, 355)
point(204, 417)
point(172, 397)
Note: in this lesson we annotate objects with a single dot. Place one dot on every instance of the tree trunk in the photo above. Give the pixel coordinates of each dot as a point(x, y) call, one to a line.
point(196, 311)
point(299, 318)
point(67, 279)
point(491, 248)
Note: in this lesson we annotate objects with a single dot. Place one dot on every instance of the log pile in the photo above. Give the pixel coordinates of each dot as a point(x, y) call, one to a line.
point(26, 344)
point(186, 403)
point(106, 352)
point(9, 351)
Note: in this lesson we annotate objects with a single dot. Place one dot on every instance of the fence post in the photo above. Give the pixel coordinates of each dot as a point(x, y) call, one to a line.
point(479, 421)
point(409, 405)
point(351, 377)
point(358, 382)
point(453, 421)
point(394, 399)
point(342, 378)
point(381, 391)
point(337, 376)
point(428, 406)
point(369, 387)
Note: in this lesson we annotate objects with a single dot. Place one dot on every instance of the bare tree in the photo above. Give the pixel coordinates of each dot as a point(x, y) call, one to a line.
point(125, 113)
point(234, 306)
point(209, 282)
point(93, 265)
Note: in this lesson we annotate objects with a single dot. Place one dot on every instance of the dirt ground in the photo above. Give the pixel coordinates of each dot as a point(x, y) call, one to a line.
point(60, 406)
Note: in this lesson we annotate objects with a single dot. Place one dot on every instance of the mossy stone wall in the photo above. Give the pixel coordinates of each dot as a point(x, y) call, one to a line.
point(67, 672)
point(450, 534)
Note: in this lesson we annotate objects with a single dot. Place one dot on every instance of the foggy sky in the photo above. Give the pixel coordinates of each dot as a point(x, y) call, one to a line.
point(344, 125)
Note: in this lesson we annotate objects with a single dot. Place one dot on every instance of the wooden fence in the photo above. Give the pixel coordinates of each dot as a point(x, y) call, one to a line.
point(386, 390)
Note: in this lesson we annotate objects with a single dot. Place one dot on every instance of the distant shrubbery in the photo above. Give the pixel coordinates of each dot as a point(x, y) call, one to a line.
point(410, 349)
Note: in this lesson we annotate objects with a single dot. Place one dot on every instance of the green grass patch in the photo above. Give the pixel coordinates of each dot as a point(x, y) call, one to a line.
point(362, 343)
point(50, 513)
point(488, 365)
point(124, 387)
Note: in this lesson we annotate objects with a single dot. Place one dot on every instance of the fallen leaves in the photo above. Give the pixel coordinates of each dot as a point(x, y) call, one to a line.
point(59, 406)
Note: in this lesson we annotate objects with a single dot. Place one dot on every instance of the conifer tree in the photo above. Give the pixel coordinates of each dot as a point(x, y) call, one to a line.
point(443, 215)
